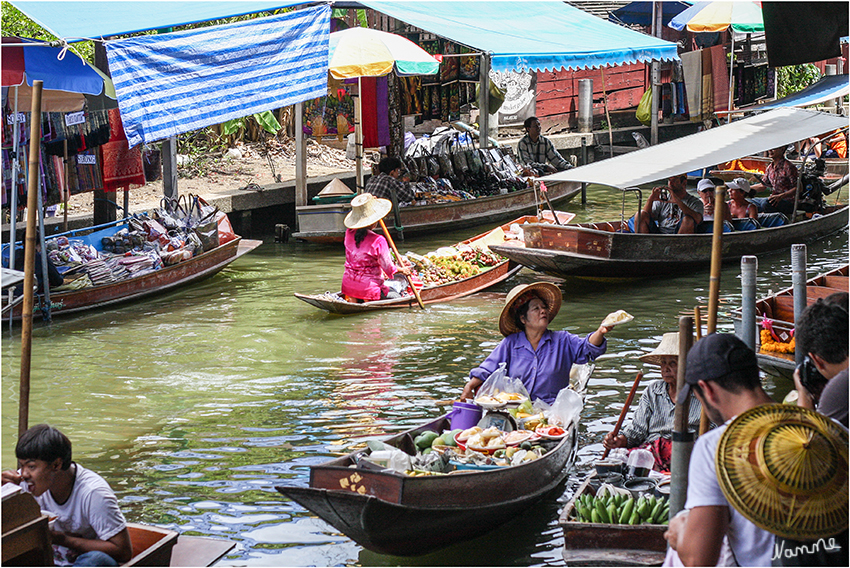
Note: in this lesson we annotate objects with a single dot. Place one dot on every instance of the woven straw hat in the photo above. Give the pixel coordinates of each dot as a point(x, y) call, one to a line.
point(335, 188)
point(668, 347)
point(366, 210)
point(547, 292)
point(784, 468)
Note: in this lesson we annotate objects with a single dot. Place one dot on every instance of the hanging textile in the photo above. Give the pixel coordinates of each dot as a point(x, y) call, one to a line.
point(375, 107)
point(692, 71)
point(172, 83)
point(121, 164)
point(720, 77)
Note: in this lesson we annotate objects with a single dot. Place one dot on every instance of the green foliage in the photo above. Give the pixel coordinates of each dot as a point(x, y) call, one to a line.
point(794, 78)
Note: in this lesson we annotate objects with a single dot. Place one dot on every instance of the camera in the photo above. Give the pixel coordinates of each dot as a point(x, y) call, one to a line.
point(664, 195)
point(811, 379)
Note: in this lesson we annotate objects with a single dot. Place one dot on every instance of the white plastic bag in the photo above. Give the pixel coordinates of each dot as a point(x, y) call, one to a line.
point(499, 382)
point(566, 409)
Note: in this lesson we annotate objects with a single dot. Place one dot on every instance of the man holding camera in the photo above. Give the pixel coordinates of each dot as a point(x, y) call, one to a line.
point(670, 209)
point(822, 333)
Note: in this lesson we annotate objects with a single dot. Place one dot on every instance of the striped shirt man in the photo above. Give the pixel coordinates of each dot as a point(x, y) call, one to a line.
point(653, 418)
point(538, 151)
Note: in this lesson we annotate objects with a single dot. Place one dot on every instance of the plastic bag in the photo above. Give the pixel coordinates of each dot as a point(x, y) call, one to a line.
point(566, 408)
point(387, 456)
point(500, 382)
point(644, 109)
point(225, 229)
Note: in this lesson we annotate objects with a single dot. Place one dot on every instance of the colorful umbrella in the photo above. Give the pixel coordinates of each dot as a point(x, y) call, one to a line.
point(744, 17)
point(364, 52)
point(67, 78)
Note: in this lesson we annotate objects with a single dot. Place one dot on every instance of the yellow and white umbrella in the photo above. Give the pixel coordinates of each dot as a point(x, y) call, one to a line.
point(364, 52)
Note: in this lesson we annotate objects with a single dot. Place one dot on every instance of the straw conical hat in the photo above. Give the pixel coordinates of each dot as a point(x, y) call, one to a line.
point(547, 292)
point(366, 210)
point(669, 347)
point(335, 188)
point(784, 468)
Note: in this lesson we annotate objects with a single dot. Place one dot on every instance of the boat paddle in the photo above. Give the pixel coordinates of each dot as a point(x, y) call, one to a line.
point(625, 409)
point(398, 256)
point(546, 197)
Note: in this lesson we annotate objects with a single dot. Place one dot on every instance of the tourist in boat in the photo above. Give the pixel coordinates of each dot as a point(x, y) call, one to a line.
point(367, 255)
point(738, 206)
point(706, 191)
point(723, 374)
point(781, 178)
point(679, 213)
point(90, 529)
point(390, 178)
point(822, 334)
point(539, 357)
point(537, 152)
point(652, 425)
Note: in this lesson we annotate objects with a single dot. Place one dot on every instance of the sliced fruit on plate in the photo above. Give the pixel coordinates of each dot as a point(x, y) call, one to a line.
point(551, 431)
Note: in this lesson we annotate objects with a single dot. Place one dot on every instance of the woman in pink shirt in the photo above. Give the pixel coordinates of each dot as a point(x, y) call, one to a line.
point(367, 255)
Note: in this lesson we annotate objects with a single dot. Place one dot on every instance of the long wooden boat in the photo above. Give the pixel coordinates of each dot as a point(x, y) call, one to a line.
point(323, 223)
point(335, 304)
point(156, 282)
point(745, 167)
point(391, 513)
point(601, 250)
point(779, 309)
point(598, 544)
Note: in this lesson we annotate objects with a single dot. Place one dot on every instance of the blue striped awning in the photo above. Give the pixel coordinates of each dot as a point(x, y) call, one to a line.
point(173, 83)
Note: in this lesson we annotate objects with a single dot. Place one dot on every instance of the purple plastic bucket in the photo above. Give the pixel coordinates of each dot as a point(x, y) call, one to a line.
point(464, 415)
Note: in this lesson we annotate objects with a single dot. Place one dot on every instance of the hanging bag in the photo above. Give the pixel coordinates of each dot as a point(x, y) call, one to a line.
point(644, 109)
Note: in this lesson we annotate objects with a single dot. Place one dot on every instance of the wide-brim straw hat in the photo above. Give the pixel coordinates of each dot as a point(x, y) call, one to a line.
point(784, 468)
point(669, 347)
point(366, 210)
point(546, 291)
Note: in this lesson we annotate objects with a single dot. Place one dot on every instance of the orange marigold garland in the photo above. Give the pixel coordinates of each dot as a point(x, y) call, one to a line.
point(771, 342)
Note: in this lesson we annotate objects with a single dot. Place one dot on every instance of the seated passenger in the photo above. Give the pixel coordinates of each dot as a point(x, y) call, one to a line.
point(744, 214)
point(670, 210)
point(89, 529)
point(652, 425)
point(706, 189)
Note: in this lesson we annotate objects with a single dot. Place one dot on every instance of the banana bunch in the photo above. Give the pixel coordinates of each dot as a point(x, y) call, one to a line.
point(622, 510)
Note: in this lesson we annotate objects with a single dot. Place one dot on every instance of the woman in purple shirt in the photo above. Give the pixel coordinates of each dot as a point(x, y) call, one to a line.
point(541, 358)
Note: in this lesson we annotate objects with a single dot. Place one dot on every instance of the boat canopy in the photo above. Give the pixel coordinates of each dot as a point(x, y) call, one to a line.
point(540, 35)
point(828, 88)
point(705, 149)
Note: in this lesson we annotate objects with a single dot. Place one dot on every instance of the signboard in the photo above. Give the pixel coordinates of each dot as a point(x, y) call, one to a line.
point(520, 95)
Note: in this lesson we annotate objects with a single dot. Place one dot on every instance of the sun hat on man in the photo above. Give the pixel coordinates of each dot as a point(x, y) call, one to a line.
point(366, 210)
point(549, 293)
point(784, 468)
point(669, 347)
point(705, 185)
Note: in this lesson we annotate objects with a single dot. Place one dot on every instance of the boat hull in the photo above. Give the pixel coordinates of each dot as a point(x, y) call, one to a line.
point(583, 251)
point(429, 219)
point(409, 516)
point(155, 282)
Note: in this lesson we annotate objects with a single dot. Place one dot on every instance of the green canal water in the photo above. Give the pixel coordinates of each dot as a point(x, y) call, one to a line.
point(195, 404)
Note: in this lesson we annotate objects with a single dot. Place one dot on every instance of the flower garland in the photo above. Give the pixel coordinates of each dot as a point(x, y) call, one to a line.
point(771, 342)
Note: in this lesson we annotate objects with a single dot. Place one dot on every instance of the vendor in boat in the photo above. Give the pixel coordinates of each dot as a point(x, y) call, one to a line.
point(89, 529)
point(539, 357)
point(390, 178)
point(367, 255)
point(679, 212)
point(651, 427)
point(537, 152)
point(781, 178)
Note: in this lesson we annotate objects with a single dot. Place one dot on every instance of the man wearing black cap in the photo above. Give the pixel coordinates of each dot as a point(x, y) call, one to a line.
point(723, 374)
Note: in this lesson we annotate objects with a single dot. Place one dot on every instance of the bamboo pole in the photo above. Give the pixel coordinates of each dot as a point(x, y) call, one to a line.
point(714, 281)
point(683, 440)
point(607, 116)
point(29, 258)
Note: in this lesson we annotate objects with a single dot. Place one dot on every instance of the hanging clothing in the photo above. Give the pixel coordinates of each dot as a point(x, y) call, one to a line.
point(121, 164)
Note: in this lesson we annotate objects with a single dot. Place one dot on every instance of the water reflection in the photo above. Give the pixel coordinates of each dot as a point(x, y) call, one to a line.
point(194, 405)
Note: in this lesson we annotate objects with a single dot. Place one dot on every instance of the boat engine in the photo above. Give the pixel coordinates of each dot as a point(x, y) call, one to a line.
point(812, 187)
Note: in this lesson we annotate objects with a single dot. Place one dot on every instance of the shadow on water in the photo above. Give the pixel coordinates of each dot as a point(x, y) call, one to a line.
point(195, 404)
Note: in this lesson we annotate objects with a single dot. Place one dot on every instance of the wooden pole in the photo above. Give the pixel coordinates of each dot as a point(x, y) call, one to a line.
point(714, 281)
point(398, 256)
point(683, 440)
point(698, 322)
point(607, 116)
point(625, 409)
point(65, 189)
point(29, 258)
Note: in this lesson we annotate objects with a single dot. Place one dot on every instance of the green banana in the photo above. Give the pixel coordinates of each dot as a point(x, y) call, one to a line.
point(612, 514)
point(603, 512)
point(626, 512)
point(634, 519)
point(594, 516)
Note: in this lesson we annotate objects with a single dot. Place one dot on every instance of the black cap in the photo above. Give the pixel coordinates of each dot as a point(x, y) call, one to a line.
point(715, 356)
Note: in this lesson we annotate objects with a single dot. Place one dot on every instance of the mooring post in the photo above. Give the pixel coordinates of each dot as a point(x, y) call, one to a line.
point(798, 281)
point(749, 267)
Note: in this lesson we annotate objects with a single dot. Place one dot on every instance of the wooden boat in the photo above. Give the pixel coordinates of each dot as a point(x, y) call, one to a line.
point(335, 304)
point(779, 309)
point(391, 513)
point(323, 223)
point(745, 167)
point(597, 544)
point(156, 282)
point(600, 250)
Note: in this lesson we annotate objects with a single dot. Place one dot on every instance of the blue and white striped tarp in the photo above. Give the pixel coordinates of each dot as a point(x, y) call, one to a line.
point(178, 82)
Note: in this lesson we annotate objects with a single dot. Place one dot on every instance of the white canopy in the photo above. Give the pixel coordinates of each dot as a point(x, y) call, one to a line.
point(705, 149)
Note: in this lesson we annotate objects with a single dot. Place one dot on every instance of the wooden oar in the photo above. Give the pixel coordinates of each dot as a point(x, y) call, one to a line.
point(625, 409)
point(398, 256)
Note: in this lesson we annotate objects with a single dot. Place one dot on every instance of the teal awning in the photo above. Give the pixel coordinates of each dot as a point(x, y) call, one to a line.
point(540, 35)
